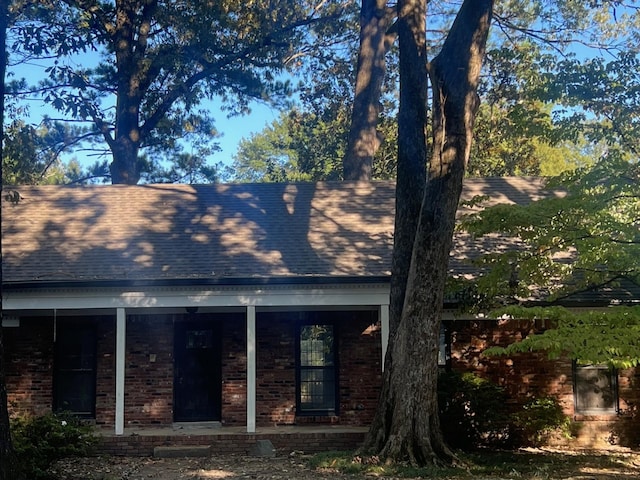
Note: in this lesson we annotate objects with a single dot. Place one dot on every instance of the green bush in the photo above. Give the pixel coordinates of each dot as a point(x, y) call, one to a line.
point(477, 413)
point(473, 411)
point(41, 441)
point(537, 419)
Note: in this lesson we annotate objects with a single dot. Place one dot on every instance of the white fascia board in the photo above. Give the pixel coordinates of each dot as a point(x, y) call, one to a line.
point(276, 296)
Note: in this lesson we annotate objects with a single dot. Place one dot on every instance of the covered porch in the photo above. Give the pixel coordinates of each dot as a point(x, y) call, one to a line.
point(122, 306)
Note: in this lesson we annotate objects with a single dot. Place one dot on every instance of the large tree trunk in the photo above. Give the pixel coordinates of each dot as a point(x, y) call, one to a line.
point(125, 144)
point(129, 40)
point(7, 457)
point(406, 426)
point(375, 41)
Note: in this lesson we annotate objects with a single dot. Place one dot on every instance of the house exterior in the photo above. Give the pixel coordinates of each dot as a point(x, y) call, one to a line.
point(248, 305)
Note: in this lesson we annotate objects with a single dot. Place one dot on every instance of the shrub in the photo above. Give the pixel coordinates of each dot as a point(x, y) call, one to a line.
point(41, 441)
point(537, 419)
point(473, 411)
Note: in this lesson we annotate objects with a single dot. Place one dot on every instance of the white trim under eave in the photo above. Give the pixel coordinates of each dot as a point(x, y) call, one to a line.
point(160, 297)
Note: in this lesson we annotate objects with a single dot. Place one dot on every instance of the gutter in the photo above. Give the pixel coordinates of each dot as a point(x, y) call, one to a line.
point(194, 282)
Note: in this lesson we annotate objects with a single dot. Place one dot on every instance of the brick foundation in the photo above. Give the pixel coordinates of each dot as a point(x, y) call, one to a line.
point(143, 445)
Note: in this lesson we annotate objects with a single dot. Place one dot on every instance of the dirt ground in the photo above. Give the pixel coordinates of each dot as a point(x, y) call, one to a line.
point(230, 467)
point(533, 465)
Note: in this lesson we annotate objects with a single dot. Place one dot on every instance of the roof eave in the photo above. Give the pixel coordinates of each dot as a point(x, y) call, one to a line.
point(195, 282)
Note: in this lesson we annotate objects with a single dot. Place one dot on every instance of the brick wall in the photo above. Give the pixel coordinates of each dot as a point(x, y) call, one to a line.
point(106, 371)
point(148, 394)
point(360, 360)
point(143, 445)
point(29, 351)
point(149, 368)
point(533, 374)
point(521, 375)
point(234, 371)
point(275, 368)
point(29, 366)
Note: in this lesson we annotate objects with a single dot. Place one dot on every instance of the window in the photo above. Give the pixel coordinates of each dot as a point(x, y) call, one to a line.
point(444, 350)
point(317, 383)
point(595, 389)
point(75, 369)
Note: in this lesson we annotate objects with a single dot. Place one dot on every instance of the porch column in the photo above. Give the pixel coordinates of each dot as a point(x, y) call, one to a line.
point(251, 369)
point(121, 330)
point(384, 330)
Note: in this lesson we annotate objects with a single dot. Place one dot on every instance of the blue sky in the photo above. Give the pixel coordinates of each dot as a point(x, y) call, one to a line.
point(232, 129)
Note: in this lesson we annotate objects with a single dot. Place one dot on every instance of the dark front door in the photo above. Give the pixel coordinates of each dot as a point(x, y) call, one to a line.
point(198, 376)
point(75, 368)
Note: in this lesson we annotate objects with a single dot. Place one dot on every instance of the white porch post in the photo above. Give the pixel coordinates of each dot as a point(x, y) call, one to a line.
point(121, 330)
point(251, 369)
point(384, 330)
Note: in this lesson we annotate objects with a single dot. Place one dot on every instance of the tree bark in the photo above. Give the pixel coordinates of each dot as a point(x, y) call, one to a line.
point(129, 38)
point(406, 426)
point(7, 457)
point(375, 41)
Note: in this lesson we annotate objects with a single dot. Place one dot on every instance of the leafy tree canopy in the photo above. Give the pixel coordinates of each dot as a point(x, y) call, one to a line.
point(532, 119)
point(152, 63)
point(589, 337)
point(582, 244)
point(587, 237)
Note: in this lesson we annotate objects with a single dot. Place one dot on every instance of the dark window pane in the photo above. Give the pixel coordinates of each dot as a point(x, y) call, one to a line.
point(595, 389)
point(199, 339)
point(317, 389)
point(317, 385)
point(75, 369)
point(316, 345)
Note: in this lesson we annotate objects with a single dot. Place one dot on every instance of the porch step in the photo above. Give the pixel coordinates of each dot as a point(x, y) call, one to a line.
point(196, 425)
point(182, 451)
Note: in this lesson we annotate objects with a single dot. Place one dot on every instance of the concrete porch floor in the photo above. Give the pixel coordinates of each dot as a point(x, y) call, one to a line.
point(214, 428)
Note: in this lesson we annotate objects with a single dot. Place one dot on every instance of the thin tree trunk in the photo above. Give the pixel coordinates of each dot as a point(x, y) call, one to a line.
point(406, 426)
point(375, 41)
point(7, 457)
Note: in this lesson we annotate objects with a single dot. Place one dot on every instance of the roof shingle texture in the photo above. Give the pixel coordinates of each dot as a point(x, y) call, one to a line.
point(154, 232)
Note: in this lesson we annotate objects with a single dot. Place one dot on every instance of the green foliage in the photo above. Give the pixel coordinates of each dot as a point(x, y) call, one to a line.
point(30, 155)
point(154, 63)
point(515, 133)
point(604, 95)
point(41, 441)
point(609, 335)
point(585, 236)
point(580, 244)
point(537, 419)
point(307, 145)
point(473, 410)
point(475, 413)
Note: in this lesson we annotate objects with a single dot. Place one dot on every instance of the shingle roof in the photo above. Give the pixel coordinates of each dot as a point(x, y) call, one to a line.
point(239, 231)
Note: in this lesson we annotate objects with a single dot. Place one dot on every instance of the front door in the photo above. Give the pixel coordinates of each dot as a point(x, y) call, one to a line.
point(198, 375)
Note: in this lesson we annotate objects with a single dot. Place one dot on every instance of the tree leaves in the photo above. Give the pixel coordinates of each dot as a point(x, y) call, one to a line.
point(579, 246)
point(605, 336)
